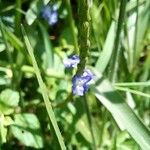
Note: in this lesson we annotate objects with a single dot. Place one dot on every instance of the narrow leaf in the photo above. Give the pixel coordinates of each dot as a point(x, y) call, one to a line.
point(122, 113)
point(44, 92)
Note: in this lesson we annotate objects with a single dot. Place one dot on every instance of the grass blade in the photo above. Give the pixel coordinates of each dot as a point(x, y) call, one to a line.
point(104, 58)
point(115, 54)
point(122, 113)
point(132, 91)
point(129, 84)
point(44, 92)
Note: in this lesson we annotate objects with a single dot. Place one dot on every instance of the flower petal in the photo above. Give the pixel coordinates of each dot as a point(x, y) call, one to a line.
point(80, 83)
point(71, 61)
point(78, 90)
point(50, 14)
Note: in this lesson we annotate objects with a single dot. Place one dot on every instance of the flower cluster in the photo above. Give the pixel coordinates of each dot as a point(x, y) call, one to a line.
point(50, 14)
point(80, 83)
point(72, 61)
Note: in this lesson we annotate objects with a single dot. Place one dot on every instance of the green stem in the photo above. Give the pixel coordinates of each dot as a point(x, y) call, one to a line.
point(115, 54)
point(83, 33)
point(129, 51)
point(44, 92)
point(72, 25)
point(20, 56)
point(129, 84)
point(18, 18)
point(89, 117)
point(136, 30)
point(114, 135)
point(102, 127)
point(132, 91)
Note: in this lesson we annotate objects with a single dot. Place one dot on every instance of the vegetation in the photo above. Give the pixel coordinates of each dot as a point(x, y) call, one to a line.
point(75, 74)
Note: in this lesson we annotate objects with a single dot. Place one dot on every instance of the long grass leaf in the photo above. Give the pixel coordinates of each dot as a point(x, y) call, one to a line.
point(128, 84)
point(115, 54)
point(122, 113)
point(44, 92)
point(105, 55)
point(132, 91)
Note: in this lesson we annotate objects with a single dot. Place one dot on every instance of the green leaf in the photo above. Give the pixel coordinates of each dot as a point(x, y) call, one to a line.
point(44, 92)
point(8, 121)
point(3, 130)
point(8, 101)
point(5, 76)
point(13, 39)
point(124, 142)
point(105, 55)
point(136, 84)
point(122, 113)
point(26, 129)
point(82, 127)
point(133, 91)
point(49, 55)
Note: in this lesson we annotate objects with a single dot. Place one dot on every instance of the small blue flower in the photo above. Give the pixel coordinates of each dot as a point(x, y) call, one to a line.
point(72, 61)
point(50, 14)
point(80, 83)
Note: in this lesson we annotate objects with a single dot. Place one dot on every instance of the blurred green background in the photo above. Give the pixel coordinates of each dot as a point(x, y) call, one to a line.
point(119, 51)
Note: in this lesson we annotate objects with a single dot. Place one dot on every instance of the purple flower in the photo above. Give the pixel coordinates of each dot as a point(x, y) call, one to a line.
point(72, 61)
point(50, 14)
point(80, 83)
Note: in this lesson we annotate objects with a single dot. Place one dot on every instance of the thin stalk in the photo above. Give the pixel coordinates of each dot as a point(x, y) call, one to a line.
point(136, 30)
point(129, 51)
point(44, 92)
point(89, 117)
point(72, 25)
point(115, 55)
point(132, 91)
point(84, 44)
point(20, 56)
point(105, 117)
point(133, 84)
point(114, 133)
point(18, 17)
point(83, 33)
